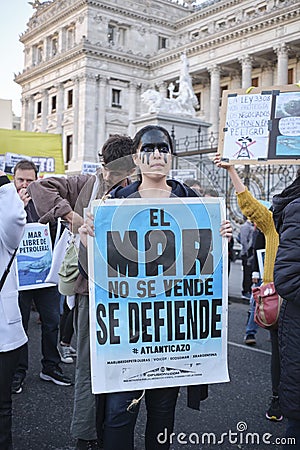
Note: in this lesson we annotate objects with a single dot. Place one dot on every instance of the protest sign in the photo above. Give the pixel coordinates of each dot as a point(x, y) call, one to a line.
point(183, 174)
point(2, 162)
point(261, 125)
point(261, 261)
point(158, 293)
point(11, 160)
point(90, 167)
point(44, 149)
point(34, 257)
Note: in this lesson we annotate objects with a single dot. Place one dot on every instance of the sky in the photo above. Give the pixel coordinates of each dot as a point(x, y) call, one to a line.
point(13, 19)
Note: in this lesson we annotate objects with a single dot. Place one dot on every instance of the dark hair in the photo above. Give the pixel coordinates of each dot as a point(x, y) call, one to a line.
point(298, 172)
point(211, 192)
point(192, 182)
point(142, 131)
point(25, 164)
point(118, 147)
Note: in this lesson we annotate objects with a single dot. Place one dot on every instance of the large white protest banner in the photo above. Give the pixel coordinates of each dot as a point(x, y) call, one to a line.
point(261, 125)
point(158, 293)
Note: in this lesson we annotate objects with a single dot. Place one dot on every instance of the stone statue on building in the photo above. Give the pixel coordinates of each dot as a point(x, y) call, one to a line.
point(185, 99)
point(36, 4)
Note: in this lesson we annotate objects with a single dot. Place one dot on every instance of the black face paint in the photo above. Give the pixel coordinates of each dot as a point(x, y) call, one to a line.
point(145, 155)
point(154, 140)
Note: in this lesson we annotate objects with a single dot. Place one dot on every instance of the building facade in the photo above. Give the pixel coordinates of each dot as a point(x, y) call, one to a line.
point(87, 62)
point(8, 120)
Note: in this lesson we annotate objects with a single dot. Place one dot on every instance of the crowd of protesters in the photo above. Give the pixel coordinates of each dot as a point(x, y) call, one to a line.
point(105, 420)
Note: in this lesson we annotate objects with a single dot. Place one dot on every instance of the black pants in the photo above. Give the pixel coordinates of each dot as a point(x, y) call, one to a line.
point(119, 424)
point(275, 361)
point(66, 328)
point(47, 302)
point(247, 276)
point(8, 363)
point(292, 431)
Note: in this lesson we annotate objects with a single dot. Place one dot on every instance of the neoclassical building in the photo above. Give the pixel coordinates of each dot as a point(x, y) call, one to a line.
point(87, 62)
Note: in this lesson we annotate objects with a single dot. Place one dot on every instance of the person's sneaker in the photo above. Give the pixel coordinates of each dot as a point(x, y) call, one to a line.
point(55, 374)
point(274, 411)
point(246, 296)
point(250, 339)
point(17, 384)
point(65, 354)
point(81, 444)
point(73, 351)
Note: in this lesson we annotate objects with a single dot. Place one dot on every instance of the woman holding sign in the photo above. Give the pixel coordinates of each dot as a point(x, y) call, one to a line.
point(262, 216)
point(118, 411)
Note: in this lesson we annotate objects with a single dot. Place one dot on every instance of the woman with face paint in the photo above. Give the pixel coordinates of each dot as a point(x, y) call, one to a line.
point(117, 412)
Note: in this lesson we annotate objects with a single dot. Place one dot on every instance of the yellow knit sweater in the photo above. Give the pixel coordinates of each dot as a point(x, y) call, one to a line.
point(263, 218)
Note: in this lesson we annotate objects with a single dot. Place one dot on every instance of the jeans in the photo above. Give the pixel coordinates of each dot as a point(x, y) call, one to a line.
point(8, 363)
point(83, 425)
point(292, 431)
point(47, 302)
point(119, 423)
point(251, 327)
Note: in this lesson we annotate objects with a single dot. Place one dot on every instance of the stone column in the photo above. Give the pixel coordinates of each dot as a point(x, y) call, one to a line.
point(102, 102)
point(235, 79)
point(30, 113)
point(246, 62)
point(282, 63)
point(91, 141)
point(60, 107)
point(80, 131)
point(214, 97)
point(86, 118)
point(76, 119)
point(45, 50)
point(63, 39)
point(267, 74)
point(60, 38)
point(24, 103)
point(45, 111)
point(132, 107)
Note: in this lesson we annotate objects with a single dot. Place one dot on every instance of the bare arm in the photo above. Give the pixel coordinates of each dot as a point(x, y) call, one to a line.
point(257, 213)
point(236, 181)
